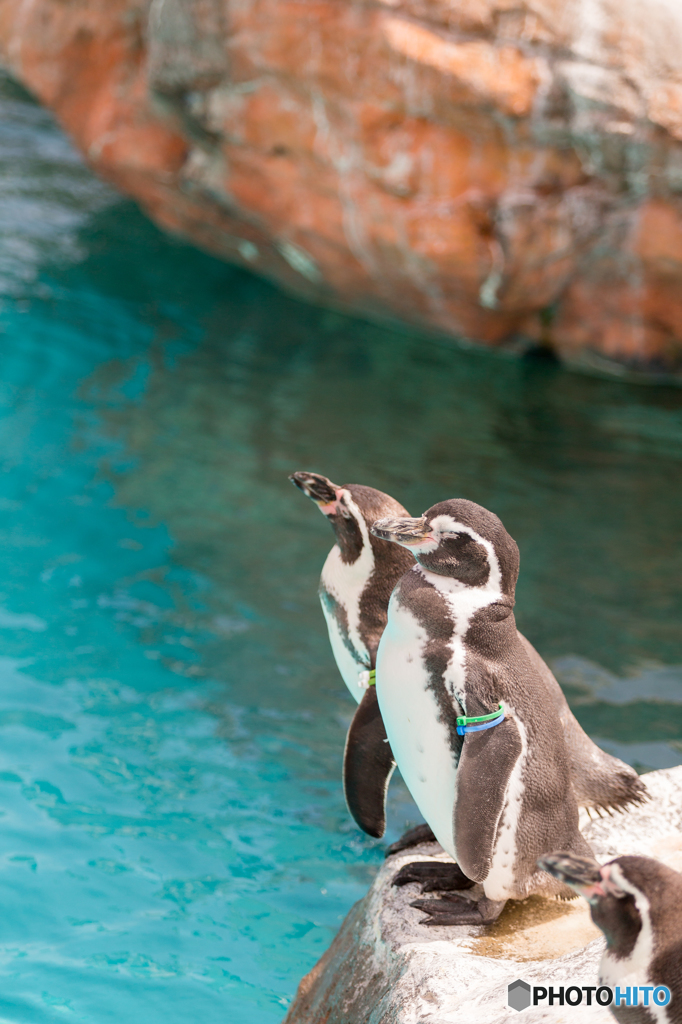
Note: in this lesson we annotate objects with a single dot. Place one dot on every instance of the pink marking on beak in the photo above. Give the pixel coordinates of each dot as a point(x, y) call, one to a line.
point(608, 885)
point(595, 889)
point(329, 509)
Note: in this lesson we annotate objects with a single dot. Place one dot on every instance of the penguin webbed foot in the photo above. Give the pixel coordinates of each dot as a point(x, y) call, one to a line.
point(413, 837)
point(451, 909)
point(434, 876)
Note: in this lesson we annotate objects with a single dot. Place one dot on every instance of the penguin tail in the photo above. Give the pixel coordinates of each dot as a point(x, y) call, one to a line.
point(601, 810)
point(606, 792)
point(566, 895)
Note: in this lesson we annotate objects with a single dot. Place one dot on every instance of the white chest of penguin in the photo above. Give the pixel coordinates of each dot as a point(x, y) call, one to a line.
point(345, 583)
point(422, 742)
point(419, 739)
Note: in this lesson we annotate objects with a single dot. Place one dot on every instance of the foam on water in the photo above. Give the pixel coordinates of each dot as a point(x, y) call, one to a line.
point(173, 839)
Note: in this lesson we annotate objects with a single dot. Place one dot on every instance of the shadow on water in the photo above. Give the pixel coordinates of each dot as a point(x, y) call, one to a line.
point(175, 840)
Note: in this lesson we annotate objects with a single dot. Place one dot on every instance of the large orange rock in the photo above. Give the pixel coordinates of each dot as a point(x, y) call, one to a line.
point(494, 169)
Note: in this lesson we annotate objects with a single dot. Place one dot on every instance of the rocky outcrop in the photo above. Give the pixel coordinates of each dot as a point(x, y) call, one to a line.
point(494, 169)
point(385, 967)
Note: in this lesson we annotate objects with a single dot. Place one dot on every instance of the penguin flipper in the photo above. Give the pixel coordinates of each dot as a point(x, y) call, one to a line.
point(368, 764)
point(483, 773)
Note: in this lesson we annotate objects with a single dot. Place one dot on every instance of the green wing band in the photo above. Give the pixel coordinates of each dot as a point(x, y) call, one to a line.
point(463, 720)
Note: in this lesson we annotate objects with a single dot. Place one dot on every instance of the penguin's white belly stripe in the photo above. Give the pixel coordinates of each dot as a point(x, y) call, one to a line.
point(629, 972)
point(348, 666)
point(455, 676)
point(420, 742)
point(346, 583)
point(499, 884)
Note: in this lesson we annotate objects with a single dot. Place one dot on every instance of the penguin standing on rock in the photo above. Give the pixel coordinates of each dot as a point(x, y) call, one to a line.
point(355, 589)
point(471, 721)
point(356, 583)
point(636, 902)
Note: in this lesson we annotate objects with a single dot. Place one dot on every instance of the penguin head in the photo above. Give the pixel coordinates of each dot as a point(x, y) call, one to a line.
point(459, 539)
point(351, 510)
point(624, 895)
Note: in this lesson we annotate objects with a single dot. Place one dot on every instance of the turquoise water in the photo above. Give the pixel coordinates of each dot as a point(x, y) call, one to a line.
point(174, 844)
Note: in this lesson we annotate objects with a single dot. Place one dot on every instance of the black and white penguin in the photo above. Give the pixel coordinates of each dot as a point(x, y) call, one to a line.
point(497, 791)
point(355, 586)
point(359, 574)
point(636, 902)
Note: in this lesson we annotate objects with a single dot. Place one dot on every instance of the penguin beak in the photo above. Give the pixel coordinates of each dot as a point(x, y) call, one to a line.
point(582, 874)
point(321, 490)
point(403, 530)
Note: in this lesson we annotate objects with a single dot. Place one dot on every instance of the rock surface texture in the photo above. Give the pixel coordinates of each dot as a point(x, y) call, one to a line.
point(385, 967)
point(492, 169)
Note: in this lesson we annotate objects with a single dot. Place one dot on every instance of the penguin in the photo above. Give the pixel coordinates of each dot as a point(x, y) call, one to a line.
point(471, 721)
point(364, 585)
point(359, 574)
point(355, 586)
point(636, 902)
